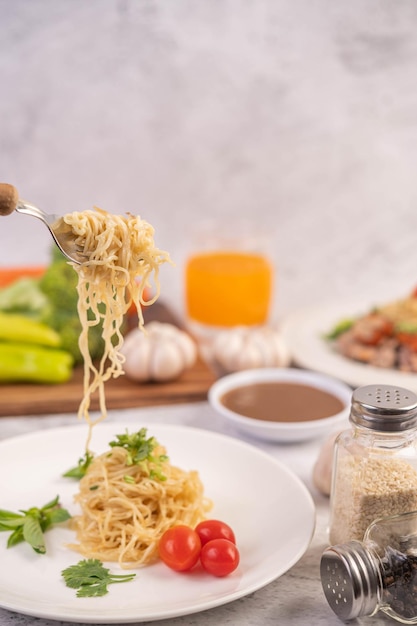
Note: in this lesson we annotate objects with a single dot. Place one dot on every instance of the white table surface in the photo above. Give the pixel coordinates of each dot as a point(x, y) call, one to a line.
point(296, 598)
point(301, 115)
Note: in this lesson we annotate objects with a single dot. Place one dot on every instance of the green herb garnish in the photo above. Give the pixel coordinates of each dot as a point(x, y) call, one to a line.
point(29, 525)
point(140, 452)
point(340, 328)
point(81, 468)
point(91, 578)
point(129, 479)
point(406, 327)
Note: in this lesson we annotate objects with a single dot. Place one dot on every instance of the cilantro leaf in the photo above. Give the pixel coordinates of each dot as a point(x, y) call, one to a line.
point(91, 578)
point(81, 468)
point(140, 451)
point(129, 480)
point(98, 588)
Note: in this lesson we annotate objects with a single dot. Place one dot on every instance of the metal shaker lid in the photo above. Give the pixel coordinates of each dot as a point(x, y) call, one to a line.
point(350, 580)
point(386, 408)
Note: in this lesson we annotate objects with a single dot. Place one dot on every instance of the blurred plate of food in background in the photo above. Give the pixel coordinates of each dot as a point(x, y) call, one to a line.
point(361, 344)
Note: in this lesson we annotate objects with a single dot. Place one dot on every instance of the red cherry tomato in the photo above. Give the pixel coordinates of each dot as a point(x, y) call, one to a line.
point(179, 548)
point(219, 557)
point(214, 529)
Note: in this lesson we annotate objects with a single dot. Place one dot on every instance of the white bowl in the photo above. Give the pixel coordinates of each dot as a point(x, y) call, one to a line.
point(282, 431)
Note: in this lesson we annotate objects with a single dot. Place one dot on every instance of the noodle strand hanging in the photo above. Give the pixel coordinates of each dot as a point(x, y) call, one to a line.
point(121, 259)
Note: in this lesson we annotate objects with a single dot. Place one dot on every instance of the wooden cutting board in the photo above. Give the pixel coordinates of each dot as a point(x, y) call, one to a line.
point(121, 393)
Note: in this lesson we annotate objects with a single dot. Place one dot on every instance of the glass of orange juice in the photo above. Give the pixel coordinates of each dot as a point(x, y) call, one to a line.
point(229, 282)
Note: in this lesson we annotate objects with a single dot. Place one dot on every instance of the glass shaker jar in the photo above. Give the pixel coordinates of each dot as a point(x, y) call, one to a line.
point(377, 574)
point(375, 462)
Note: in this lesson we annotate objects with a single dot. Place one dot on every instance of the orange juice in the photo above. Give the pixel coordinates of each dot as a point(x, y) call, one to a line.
point(228, 288)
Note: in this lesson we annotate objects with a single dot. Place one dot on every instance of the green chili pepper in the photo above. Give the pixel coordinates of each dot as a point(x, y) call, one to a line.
point(21, 362)
point(18, 328)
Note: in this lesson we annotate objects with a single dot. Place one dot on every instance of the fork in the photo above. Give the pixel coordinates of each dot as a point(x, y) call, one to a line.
point(60, 231)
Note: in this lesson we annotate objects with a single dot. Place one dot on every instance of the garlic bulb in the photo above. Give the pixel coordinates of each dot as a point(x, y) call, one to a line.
point(161, 353)
point(323, 467)
point(246, 348)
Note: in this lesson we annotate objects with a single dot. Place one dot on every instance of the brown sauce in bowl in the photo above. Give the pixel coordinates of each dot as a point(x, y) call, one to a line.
point(282, 402)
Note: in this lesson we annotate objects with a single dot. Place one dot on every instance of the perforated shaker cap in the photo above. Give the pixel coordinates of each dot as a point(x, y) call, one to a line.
point(350, 581)
point(384, 407)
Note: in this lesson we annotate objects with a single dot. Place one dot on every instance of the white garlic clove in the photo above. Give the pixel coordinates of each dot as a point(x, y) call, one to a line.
point(250, 357)
point(282, 354)
point(165, 361)
point(160, 329)
point(130, 340)
point(263, 340)
point(159, 352)
point(138, 357)
point(227, 348)
point(188, 348)
point(323, 467)
point(246, 348)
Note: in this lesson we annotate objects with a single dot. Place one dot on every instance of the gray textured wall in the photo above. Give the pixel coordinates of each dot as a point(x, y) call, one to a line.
point(300, 114)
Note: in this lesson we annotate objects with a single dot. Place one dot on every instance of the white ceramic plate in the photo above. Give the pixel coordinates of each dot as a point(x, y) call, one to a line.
point(304, 334)
point(269, 508)
point(282, 431)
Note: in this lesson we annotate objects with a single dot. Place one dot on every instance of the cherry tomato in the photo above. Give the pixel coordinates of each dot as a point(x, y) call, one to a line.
point(214, 529)
point(179, 548)
point(219, 557)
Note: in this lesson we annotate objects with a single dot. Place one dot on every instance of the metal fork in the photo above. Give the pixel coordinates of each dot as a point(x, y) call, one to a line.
point(60, 231)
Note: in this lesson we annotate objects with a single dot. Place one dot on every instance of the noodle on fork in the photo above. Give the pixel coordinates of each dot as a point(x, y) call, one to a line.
point(121, 258)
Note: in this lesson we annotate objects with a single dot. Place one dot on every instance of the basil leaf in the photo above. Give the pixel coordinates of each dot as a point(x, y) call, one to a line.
point(8, 514)
point(12, 523)
point(57, 516)
point(16, 537)
point(32, 533)
point(51, 504)
point(9, 519)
